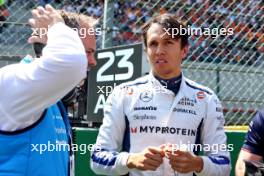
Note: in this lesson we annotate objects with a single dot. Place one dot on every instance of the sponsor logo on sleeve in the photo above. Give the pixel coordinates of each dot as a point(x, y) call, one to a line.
point(218, 109)
point(221, 119)
point(129, 90)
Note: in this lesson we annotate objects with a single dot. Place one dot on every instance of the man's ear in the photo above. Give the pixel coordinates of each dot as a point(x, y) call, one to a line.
point(145, 50)
point(185, 51)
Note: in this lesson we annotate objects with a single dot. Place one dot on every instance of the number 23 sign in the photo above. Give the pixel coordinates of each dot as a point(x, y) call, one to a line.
point(114, 66)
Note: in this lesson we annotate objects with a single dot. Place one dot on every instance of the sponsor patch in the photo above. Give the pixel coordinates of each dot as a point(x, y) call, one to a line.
point(133, 130)
point(129, 90)
point(164, 130)
point(218, 109)
point(148, 108)
point(200, 95)
point(146, 96)
point(188, 111)
point(221, 119)
point(187, 102)
point(144, 117)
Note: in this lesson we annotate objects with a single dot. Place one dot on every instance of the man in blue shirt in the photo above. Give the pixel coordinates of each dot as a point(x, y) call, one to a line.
point(253, 148)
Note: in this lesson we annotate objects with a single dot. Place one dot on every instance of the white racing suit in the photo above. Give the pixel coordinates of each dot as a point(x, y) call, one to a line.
point(143, 113)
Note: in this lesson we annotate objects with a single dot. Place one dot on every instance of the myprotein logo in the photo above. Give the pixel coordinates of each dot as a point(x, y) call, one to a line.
point(145, 108)
point(163, 130)
point(134, 130)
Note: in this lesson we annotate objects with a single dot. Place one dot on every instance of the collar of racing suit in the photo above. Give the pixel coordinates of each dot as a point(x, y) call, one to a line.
point(172, 84)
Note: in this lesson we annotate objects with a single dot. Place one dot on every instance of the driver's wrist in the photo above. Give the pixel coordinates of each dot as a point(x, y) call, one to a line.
point(130, 163)
point(198, 164)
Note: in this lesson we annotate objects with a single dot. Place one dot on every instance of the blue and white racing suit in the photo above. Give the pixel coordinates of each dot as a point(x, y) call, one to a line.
point(143, 113)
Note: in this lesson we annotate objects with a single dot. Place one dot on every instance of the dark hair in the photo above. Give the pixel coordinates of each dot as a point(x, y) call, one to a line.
point(167, 21)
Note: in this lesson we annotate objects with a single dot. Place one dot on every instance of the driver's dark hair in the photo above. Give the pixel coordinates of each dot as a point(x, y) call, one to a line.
point(167, 21)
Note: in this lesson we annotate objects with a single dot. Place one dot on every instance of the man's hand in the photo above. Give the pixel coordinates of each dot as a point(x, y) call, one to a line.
point(41, 20)
point(150, 159)
point(184, 161)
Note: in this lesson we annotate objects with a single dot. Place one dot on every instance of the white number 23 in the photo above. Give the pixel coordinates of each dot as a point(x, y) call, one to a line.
point(123, 63)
